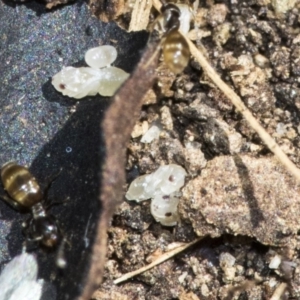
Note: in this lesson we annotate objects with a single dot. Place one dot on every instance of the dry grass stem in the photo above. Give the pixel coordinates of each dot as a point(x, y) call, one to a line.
point(140, 15)
point(158, 261)
point(279, 291)
point(157, 4)
point(240, 106)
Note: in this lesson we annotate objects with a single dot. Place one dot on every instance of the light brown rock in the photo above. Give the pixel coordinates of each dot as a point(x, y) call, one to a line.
point(242, 195)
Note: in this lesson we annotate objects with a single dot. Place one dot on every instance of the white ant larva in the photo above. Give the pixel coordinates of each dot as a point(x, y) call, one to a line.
point(100, 77)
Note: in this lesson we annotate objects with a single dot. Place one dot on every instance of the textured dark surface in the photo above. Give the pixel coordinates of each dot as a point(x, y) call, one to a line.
point(47, 132)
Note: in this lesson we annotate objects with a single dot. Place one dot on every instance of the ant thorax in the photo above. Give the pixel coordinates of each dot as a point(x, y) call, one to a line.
point(173, 16)
point(38, 211)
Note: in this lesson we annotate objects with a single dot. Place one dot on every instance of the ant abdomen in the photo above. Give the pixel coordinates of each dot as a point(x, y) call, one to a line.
point(176, 51)
point(20, 185)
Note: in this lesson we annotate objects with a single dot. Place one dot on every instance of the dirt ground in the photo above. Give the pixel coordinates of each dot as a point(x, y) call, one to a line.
point(237, 195)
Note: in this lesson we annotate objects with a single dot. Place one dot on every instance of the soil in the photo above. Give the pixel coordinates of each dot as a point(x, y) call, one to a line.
point(237, 195)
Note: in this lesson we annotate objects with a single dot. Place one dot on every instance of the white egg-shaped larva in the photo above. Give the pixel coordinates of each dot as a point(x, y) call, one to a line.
point(77, 82)
point(111, 79)
point(99, 77)
point(169, 178)
point(164, 181)
point(164, 209)
point(137, 190)
point(100, 57)
point(186, 16)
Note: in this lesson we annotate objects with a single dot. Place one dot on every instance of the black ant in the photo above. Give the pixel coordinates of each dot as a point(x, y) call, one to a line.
point(24, 193)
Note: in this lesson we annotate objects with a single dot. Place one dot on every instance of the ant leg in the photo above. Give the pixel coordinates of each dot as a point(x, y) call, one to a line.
point(30, 245)
point(34, 240)
point(11, 202)
point(47, 207)
point(61, 261)
point(26, 232)
point(48, 186)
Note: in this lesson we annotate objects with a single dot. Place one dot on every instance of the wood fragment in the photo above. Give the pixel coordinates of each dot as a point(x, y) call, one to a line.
point(158, 261)
point(140, 15)
point(117, 126)
point(157, 4)
point(279, 291)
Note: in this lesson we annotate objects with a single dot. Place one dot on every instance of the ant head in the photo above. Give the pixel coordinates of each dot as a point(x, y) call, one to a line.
point(49, 230)
point(44, 229)
point(171, 14)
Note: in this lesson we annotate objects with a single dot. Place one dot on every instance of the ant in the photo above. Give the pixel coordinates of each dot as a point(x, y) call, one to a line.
point(24, 193)
point(176, 51)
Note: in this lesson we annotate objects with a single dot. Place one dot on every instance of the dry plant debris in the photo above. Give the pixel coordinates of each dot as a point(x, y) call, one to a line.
point(140, 15)
point(279, 291)
point(157, 261)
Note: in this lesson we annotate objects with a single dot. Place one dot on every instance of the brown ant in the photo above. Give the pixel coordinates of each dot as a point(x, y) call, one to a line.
point(24, 193)
point(176, 51)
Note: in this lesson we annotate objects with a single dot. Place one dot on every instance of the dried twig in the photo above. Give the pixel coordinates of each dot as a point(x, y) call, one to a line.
point(117, 126)
point(279, 291)
point(158, 261)
point(140, 15)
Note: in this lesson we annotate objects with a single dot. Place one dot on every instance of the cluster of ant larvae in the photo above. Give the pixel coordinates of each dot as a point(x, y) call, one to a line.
point(162, 187)
point(100, 77)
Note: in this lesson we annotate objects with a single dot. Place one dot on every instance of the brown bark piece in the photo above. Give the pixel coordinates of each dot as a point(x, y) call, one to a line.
point(117, 126)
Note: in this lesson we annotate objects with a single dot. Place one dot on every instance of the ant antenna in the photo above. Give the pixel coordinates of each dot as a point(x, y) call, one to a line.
point(61, 261)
